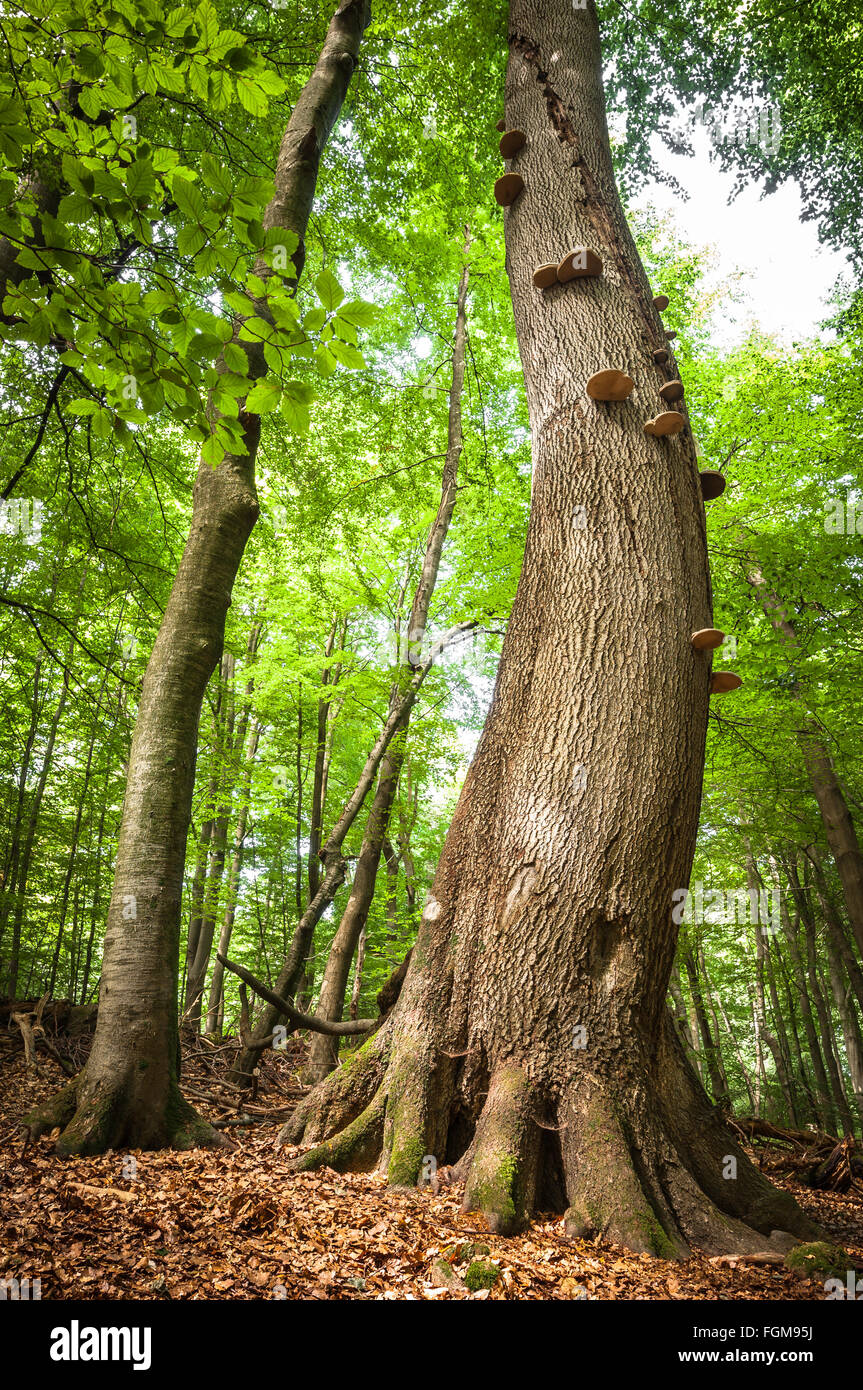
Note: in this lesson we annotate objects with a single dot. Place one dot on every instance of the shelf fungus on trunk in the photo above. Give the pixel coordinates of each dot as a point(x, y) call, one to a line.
point(578, 264)
point(512, 142)
point(666, 423)
point(723, 681)
point(660, 357)
point(610, 385)
point(507, 189)
point(712, 484)
point(671, 334)
point(545, 276)
point(501, 125)
point(672, 391)
point(707, 639)
point(661, 301)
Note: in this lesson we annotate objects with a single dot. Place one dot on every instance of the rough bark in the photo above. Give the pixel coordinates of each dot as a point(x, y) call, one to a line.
point(536, 992)
point(128, 1094)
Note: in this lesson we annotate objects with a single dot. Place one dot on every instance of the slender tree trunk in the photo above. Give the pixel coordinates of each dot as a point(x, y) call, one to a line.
point(782, 1056)
point(825, 1022)
point(128, 1094)
point(850, 1025)
point(836, 927)
point(838, 824)
point(823, 1100)
point(729, 1028)
point(762, 1032)
point(335, 868)
point(799, 1069)
point(535, 995)
point(323, 1050)
point(30, 835)
point(214, 1008)
point(202, 855)
point(710, 1005)
point(7, 892)
point(708, 1045)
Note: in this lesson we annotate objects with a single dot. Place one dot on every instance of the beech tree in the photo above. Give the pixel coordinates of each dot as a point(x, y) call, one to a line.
point(531, 1044)
point(128, 1092)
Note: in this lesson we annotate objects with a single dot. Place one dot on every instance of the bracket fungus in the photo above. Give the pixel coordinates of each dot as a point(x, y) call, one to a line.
point(545, 275)
point(577, 264)
point(501, 125)
point(511, 143)
point(667, 422)
point(661, 301)
point(707, 639)
point(610, 385)
point(712, 484)
point(723, 681)
point(660, 357)
point(672, 391)
point(507, 189)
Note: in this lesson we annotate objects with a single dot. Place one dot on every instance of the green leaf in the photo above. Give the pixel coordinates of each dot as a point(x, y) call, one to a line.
point(326, 362)
point(346, 354)
point(212, 451)
point(359, 312)
point(188, 198)
point(295, 405)
point(329, 291)
point(263, 397)
point(235, 359)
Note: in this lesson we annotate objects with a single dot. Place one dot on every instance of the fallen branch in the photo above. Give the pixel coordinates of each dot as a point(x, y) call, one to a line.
point(297, 1019)
point(241, 1120)
point(89, 1191)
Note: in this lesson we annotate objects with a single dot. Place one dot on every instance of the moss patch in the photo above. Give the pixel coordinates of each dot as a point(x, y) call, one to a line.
point(481, 1275)
point(819, 1260)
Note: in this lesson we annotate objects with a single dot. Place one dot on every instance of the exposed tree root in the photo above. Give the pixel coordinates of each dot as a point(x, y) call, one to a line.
point(338, 1100)
point(502, 1176)
point(355, 1148)
point(644, 1157)
point(93, 1118)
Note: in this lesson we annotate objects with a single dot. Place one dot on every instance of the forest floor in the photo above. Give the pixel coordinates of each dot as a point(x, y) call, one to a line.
point(222, 1225)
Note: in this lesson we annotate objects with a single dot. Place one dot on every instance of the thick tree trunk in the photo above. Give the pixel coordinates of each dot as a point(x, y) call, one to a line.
point(128, 1094)
point(531, 1041)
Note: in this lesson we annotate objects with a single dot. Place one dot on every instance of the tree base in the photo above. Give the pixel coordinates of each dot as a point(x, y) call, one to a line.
point(638, 1155)
point(93, 1119)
